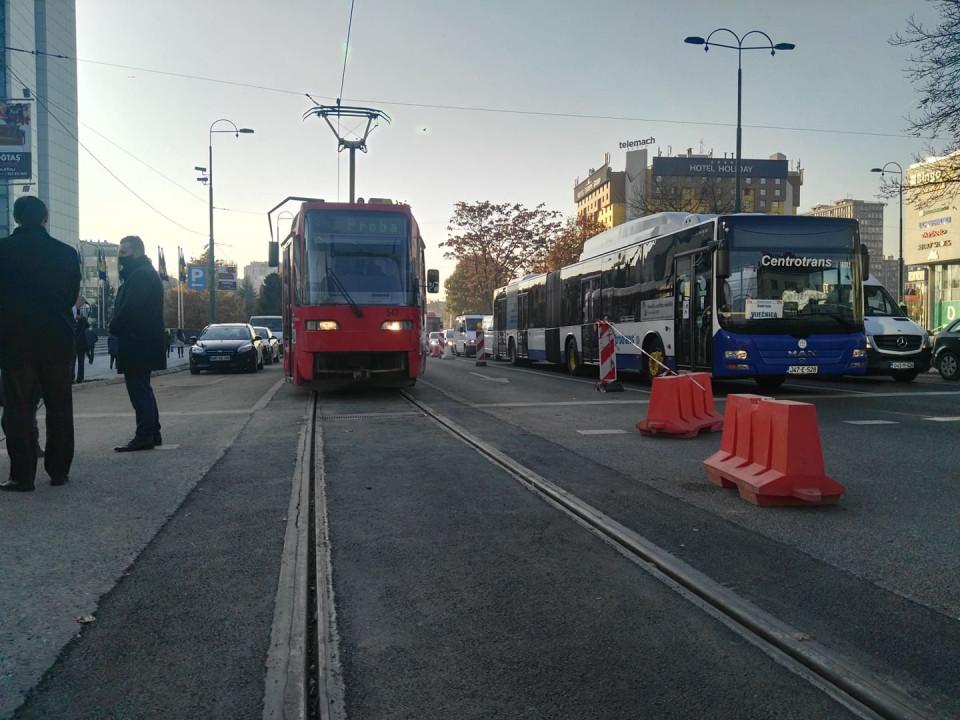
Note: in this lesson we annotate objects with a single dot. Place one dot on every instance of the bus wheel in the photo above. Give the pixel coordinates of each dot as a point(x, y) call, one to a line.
point(770, 382)
point(574, 366)
point(655, 358)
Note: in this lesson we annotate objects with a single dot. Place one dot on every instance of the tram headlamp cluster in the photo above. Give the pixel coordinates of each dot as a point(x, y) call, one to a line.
point(397, 325)
point(734, 354)
point(322, 325)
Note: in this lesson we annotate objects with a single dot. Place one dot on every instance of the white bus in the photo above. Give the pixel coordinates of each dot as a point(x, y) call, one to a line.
point(465, 337)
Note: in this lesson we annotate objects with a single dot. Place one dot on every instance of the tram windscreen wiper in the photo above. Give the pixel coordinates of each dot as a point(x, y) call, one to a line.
point(343, 291)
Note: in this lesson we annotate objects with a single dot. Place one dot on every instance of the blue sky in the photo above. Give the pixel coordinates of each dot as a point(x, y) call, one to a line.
point(624, 59)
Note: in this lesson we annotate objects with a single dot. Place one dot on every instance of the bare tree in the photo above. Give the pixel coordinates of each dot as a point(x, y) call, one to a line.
point(705, 195)
point(934, 68)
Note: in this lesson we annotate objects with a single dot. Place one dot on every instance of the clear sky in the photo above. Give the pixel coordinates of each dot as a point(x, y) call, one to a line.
point(623, 59)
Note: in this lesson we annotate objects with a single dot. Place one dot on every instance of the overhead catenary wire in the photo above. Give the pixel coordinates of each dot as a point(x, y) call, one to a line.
point(343, 77)
point(112, 174)
point(480, 108)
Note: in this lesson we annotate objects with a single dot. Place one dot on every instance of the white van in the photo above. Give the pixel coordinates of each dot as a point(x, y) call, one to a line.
point(896, 345)
point(465, 340)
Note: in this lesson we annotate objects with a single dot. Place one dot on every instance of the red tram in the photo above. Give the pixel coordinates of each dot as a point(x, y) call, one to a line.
point(353, 293)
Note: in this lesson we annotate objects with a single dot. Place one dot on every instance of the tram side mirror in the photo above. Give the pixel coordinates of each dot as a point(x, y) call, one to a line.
point(864, 261)
point(433, 281)
point(273, 253)
point(722, 260)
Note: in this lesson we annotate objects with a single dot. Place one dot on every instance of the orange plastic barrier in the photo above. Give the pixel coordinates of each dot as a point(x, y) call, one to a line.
point(681, 406)
point(770, 451)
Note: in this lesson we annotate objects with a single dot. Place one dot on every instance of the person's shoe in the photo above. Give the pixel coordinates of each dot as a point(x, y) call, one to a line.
point(157, 440)
point(135, 445)
point(11, 486)
point(61, 480)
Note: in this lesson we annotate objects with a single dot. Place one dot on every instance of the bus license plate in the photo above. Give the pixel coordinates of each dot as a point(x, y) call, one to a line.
point(904, 365)
point(802, 370)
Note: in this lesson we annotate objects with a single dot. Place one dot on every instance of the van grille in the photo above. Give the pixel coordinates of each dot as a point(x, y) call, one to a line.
point(898, 343)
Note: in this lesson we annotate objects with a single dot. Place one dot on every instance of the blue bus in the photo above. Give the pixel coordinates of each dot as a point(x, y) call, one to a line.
point(739, 296)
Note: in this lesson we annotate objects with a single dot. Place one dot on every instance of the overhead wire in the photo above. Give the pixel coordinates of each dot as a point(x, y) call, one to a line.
point(343, 77)
point(480, 108)
point(112, 174)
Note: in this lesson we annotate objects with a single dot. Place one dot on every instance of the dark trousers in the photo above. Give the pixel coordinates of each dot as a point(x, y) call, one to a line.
point(113, 359)
point(78, 377)
point(144, 403)
point(21, 386)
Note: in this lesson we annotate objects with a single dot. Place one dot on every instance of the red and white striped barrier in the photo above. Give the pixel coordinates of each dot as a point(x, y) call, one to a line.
point(608, 359)
point(481, 352)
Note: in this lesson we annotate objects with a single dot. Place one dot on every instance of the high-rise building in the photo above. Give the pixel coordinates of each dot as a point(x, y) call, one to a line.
point(870, 217)
point(38, 113)
point(256, 271)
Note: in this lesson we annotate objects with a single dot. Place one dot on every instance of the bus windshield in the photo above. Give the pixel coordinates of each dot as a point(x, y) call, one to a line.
point(790, 277)
point(359, 256)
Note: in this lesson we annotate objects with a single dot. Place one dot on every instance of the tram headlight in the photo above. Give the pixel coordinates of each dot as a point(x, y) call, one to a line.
point(734, 354)
point(396, 325)
point(322, 325)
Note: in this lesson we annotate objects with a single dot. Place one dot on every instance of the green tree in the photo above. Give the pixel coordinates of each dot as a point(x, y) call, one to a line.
point(567, 244)
point(249, 296)
point(465, 289)
point(268, 300)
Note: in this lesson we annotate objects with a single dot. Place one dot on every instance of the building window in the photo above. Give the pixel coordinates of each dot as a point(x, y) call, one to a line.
point(749, 181)
point(777, 181)
point(763, 181)
point(763, 203)
point(763, 193)
point(659, 178)
point(776, 193)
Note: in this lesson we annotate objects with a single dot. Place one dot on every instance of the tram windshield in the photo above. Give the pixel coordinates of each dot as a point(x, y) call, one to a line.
point(357, 257)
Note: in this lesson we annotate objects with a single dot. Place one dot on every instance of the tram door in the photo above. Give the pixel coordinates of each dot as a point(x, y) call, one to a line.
point(693, 311)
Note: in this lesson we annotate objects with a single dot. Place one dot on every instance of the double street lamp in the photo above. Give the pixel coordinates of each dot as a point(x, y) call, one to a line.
point(208, 178)
point(899, 172)
point(739, 47)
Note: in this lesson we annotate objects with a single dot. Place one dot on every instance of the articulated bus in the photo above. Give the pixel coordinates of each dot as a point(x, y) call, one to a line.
point(739, 296)
point(353, 293)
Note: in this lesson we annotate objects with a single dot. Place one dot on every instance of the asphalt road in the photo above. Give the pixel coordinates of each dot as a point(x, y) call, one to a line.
point(154, 546)
point(875, 577)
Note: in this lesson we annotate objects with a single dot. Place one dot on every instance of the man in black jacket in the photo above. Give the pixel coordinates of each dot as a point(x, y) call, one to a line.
point(39, 284)
point(138, 324)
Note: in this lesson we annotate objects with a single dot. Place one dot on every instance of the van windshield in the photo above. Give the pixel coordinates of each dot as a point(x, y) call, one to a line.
point(878, 303)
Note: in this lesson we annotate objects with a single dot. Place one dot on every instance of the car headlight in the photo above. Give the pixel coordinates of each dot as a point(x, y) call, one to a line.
point(735, 355)
point(396, 325)
point(247, 347)
point(859, 352)
point(196, 350)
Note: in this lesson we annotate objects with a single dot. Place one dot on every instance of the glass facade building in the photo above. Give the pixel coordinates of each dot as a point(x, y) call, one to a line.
point(49, 85)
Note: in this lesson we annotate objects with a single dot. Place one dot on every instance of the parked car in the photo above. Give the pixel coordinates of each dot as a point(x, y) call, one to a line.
point(226, 346)
point(274, 322)
point(436, 338)
point(946, 351)
point(271, 345)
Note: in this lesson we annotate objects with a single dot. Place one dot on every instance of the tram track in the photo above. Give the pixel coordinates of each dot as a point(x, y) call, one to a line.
point(861, 691)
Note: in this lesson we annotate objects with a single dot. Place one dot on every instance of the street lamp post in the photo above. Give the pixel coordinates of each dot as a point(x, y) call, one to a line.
point(211, 260)
point(899, 171)
point(739, 47)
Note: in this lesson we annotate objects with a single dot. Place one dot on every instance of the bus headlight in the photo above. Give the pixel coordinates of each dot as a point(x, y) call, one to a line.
point(734, 354)
point(397, 325)
point(859, 352)
point(322, 325)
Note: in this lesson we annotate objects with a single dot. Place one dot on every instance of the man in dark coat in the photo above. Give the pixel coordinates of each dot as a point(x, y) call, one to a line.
point(138, 325)
point(80, 337)
point(39, 284)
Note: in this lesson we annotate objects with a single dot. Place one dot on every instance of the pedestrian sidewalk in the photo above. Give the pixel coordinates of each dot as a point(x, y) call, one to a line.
point(100, 369)
point(65, 548)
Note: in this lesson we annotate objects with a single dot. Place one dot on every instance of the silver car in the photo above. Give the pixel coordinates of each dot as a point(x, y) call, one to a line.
point(271, 345)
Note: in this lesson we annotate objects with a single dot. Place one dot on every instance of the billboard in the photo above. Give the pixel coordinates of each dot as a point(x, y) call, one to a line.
point(718, 167)
point(226, 277)
point(15, 142)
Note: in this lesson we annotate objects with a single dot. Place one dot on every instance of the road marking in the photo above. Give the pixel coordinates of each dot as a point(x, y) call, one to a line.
point(943, 419)
point(167, 447)
point(602, 432)
point(871, 422)
point(491, 379)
